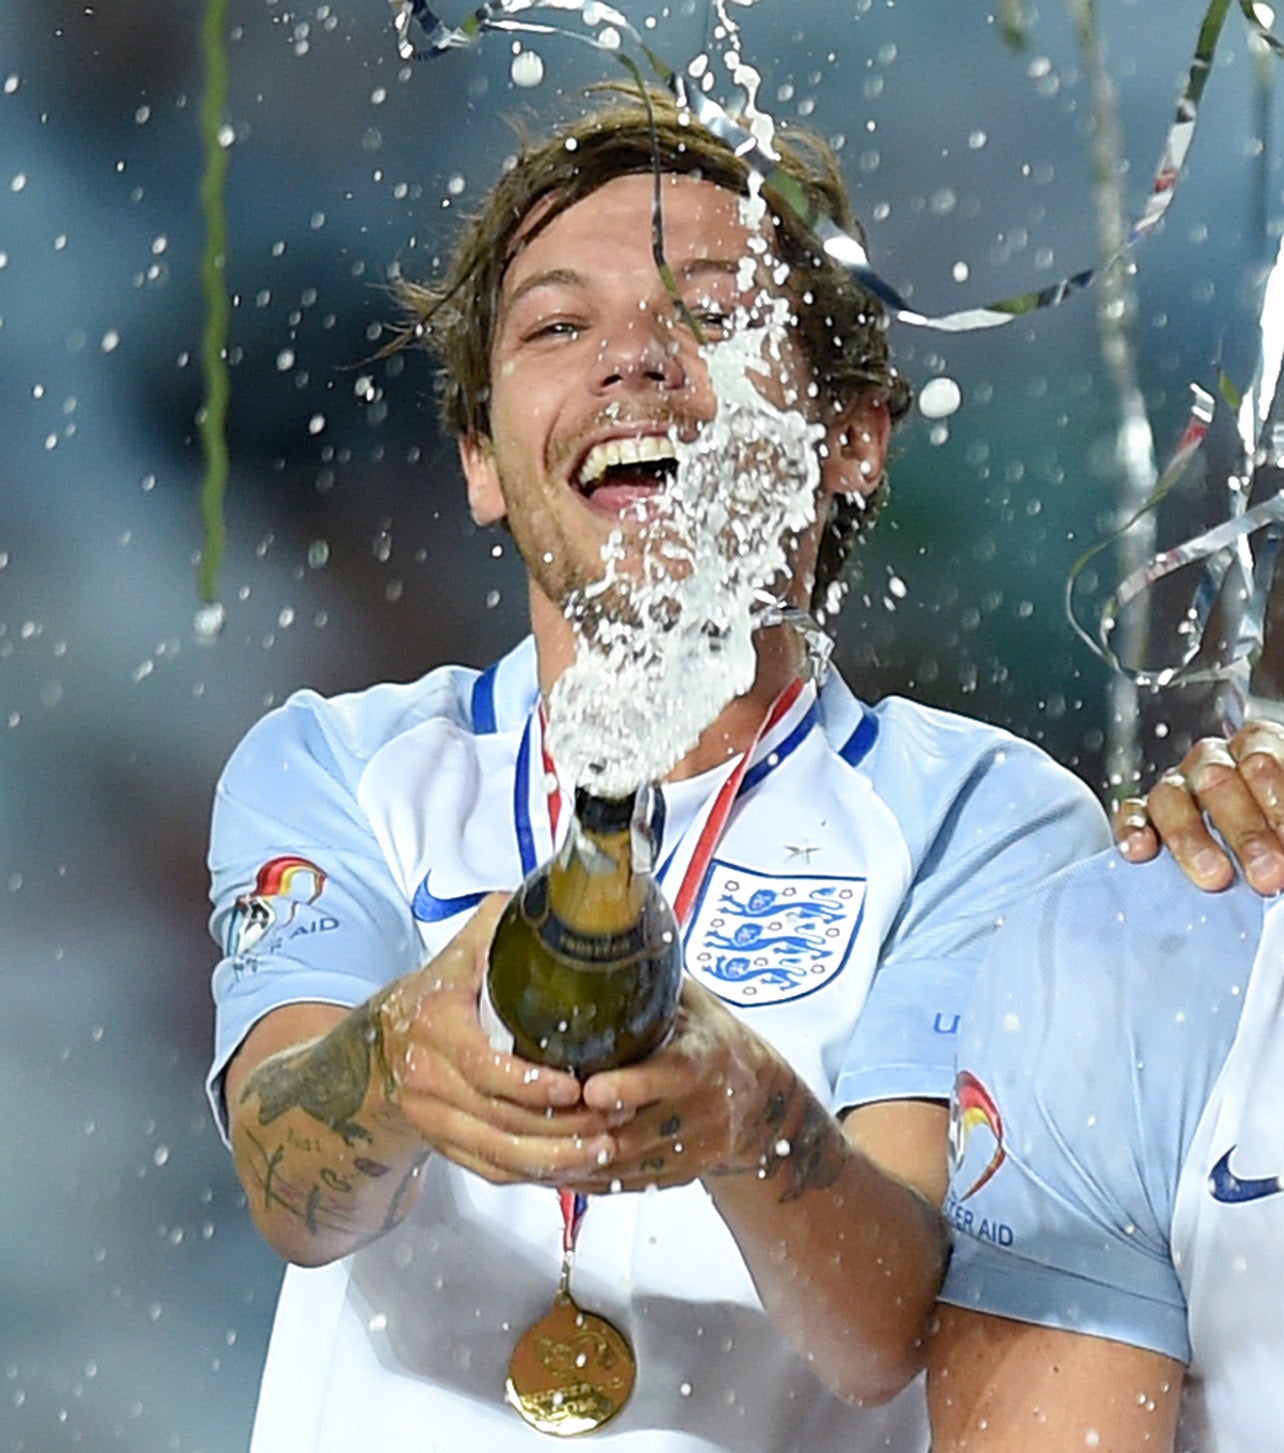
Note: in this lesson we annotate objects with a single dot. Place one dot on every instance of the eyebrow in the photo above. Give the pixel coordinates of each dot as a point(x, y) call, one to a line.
point(549, 277)
point(569, 277)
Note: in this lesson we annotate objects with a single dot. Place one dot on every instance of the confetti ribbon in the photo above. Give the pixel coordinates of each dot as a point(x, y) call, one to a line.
point(1225, 547)
point(212, 421)
point(840, 245)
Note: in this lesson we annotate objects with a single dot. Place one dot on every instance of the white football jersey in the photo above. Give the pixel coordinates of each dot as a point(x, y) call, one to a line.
point(842, 911)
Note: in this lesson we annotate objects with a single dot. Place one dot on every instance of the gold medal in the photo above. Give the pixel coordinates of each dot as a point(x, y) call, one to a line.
point(571, 1372)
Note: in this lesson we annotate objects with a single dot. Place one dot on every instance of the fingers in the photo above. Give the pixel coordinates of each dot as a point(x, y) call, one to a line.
point(479, 1144)
point(1228, 789)
point(1177, 807)
point(689, 1103)
point(484, 1108)
point(1258, 749)
point(1133, 831)
point(700, 1041)
point(1240, 786)
point(449, 1063)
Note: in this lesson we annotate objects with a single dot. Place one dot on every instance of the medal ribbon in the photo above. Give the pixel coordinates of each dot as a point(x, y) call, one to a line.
point(574, 1204)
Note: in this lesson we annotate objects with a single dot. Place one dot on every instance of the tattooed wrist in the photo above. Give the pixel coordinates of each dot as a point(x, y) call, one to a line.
point(792, 1140)
point(808, 1158)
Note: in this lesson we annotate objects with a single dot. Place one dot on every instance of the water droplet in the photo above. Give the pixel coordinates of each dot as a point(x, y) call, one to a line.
point(210, 620)
point(527, 69)
point(939, 398)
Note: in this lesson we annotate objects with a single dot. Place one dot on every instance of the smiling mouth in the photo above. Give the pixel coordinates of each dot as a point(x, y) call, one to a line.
point(621, 470)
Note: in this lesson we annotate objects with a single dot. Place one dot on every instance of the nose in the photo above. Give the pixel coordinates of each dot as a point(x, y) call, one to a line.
point(643, 350)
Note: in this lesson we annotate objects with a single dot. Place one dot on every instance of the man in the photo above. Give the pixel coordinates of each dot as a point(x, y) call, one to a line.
point(762, 1192)
point(1118, 1157)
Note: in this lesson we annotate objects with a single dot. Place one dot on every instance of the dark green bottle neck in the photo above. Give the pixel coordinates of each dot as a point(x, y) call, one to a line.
point(593, 885)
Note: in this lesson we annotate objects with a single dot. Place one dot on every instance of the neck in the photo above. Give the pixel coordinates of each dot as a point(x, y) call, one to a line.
point(779, 654)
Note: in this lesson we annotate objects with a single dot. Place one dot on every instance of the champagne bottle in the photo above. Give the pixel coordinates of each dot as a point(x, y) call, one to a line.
point(586, 963)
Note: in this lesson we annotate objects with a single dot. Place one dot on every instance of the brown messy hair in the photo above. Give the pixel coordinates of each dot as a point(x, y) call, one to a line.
point(841, 326)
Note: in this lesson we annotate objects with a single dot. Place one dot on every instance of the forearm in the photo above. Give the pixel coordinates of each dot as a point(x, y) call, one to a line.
point(327, 1161)
point(847, 1259)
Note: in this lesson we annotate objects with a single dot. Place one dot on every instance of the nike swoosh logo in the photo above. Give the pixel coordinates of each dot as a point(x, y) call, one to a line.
point(428, 908)
point(1228, 1188)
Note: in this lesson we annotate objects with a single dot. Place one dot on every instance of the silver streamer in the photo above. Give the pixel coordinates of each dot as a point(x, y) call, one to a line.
point(1229, 562)
point(840, 245)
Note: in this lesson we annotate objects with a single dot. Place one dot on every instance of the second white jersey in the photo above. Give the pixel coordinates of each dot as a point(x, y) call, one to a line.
point(1119, 1152)
point(1228, 1228)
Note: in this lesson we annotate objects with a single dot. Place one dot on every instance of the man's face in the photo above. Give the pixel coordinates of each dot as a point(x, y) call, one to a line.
point(594, 373)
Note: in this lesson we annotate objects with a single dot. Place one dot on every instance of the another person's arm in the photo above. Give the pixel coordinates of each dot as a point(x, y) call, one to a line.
point(1001, 1386)
point(1099, 1025)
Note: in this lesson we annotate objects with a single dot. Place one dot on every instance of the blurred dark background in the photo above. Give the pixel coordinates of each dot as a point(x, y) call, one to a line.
point(134, 1296)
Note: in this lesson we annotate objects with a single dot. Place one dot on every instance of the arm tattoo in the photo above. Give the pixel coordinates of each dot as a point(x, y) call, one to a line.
point(312, 1206)
point(810, 1157)
point(329, 1079)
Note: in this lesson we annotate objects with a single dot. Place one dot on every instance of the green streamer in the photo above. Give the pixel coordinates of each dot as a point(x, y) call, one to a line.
point(212, 420)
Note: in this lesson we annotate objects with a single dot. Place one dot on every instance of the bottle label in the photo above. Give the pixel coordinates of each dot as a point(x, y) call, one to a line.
point(608, 950)
point(585, 949)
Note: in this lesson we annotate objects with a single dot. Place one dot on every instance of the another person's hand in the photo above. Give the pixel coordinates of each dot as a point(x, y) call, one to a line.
point(1240, 785)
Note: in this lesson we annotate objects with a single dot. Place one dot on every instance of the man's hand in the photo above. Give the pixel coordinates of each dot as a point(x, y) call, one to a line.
point(846, 1257)
point(489, 1111)
point(715, 1100)
point(1240, 785)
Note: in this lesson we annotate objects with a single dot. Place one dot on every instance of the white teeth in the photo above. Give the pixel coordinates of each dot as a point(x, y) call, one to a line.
point(640, 450)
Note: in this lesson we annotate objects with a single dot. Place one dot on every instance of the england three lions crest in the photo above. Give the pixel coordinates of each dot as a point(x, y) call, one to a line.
point(763, 938)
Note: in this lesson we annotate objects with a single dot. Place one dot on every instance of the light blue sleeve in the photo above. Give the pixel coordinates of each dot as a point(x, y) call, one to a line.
point(986, 817)
point(1100, 1022)
point(304, 905)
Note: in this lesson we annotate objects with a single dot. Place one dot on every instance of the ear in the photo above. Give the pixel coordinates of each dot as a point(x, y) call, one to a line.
point(485, 497)
point(856, 445)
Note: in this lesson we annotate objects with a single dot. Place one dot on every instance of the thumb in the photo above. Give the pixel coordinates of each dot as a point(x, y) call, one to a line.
point(463, 960)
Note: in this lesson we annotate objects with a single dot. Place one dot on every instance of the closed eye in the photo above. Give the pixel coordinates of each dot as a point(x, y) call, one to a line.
point(713, 320)
point(553, 328)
